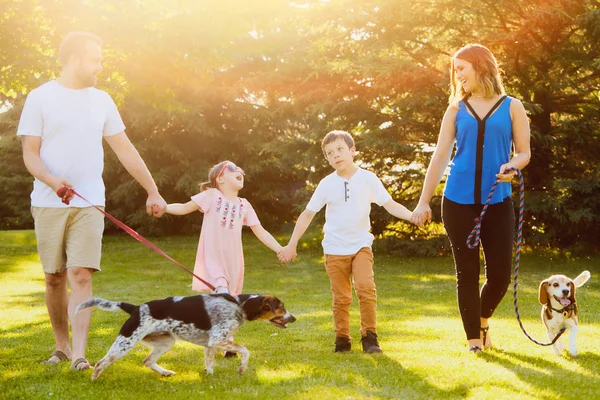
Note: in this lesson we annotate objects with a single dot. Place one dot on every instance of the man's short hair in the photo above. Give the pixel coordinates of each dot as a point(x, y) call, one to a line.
point(336, 135)
point(74, 44)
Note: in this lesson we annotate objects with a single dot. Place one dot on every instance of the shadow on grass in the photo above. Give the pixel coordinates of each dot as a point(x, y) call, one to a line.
point(589, 361)
point(353, 375)
point(295, 357)
point(543, 372)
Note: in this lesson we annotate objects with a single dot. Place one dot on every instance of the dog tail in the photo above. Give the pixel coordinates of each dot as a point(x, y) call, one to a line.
point(582, 278)
point(107, 305)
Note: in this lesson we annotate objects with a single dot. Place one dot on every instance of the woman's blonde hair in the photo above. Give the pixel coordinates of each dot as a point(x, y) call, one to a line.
point(486, 70)
point(212, 176)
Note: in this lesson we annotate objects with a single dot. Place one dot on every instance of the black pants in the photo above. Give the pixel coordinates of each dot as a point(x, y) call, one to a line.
point(497, 233)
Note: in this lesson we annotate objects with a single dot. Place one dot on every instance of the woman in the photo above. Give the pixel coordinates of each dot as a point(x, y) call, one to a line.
point(486, 125)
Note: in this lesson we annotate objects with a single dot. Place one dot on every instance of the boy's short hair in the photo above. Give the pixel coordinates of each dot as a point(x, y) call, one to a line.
point(74, 44)
point(336, 135)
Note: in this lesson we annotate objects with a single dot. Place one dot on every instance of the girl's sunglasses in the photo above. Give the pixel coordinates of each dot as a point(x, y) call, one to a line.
point(232, 168)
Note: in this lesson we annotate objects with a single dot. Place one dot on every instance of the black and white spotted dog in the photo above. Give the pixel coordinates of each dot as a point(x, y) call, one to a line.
point(208, 320)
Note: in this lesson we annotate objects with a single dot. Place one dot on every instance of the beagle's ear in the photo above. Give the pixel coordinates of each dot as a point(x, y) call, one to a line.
point(572, 296)
point(543, 293)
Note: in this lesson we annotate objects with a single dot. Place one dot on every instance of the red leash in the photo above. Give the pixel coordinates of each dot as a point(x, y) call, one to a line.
point(67, 194)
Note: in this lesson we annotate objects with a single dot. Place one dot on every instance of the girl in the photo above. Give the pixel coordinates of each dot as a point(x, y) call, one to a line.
point(220, 259)
point(485, 124)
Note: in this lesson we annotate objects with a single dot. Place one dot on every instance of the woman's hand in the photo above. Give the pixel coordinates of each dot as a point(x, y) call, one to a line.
point(420, 215)
point(504, 175)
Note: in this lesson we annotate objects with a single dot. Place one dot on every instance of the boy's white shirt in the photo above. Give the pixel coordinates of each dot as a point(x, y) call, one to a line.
point(71, 124)
point(347, 222)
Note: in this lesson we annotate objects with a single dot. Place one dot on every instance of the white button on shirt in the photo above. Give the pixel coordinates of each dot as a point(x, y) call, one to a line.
point(348, 205)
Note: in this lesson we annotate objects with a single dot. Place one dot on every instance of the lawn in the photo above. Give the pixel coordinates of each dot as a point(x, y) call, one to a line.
point(425, 354)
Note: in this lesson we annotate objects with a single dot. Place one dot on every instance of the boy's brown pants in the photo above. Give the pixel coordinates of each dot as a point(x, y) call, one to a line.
point(341, 269)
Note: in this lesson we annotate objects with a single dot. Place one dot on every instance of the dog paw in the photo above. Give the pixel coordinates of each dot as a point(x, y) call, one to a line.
point(242, 369)
point(209, 371)
point(166, 373)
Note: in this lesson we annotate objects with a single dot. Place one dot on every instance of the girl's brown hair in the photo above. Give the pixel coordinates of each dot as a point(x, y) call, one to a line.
point(212, 176)
point(486, 69)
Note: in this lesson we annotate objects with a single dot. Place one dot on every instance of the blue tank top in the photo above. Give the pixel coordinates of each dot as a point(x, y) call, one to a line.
point(482, 146)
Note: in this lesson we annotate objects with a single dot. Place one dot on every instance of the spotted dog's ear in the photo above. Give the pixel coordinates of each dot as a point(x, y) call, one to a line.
point(270, 303)
point(252, 306)
point(266, 306)
point(543, 293)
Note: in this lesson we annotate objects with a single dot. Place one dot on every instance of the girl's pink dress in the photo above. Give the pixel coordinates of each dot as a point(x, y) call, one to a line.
point(220, 258)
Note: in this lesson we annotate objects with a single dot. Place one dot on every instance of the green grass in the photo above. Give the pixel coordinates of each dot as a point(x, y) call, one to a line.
point(425, 355)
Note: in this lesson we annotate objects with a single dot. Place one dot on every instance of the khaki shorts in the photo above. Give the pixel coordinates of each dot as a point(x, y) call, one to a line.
point(68, 237)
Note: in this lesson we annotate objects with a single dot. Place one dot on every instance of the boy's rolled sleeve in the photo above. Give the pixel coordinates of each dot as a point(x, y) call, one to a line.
point(380, 195)
point(317, 201)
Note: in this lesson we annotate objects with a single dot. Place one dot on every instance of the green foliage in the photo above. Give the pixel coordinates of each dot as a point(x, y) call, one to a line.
point(15, 181)
point(261, 82)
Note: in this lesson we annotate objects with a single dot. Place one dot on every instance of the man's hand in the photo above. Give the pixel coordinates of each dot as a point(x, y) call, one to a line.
point(155, 205)
point(57, 184)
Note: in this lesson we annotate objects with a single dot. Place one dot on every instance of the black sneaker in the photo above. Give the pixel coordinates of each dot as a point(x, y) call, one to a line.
point(342, 344)
point(370, 343)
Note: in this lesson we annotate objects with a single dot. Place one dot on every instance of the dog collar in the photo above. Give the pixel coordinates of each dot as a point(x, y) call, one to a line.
point(566, 310)
point(241, 303)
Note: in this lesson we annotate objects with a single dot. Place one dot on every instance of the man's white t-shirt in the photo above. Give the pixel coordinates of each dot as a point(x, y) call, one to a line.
point(347, 223)
point(71, 124)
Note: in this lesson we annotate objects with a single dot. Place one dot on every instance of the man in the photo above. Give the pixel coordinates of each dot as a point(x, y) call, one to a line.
point(62, 126)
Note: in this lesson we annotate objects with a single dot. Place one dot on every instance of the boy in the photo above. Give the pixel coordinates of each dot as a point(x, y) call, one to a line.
point(348, 193)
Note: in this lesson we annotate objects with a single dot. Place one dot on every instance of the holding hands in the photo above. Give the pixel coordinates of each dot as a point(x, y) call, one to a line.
point(156, 206)
point(421, 214)
point(287, 254)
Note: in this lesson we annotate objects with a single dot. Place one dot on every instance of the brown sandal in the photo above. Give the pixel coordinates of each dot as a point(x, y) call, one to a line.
point(77, 364)
point(58, 354)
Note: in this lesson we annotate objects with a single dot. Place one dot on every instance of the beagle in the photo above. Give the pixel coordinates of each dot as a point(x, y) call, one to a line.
point(559, 307)
point(209, 320)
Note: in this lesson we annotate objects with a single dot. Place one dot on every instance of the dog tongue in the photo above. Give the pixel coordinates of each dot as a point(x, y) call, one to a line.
point(565, 302)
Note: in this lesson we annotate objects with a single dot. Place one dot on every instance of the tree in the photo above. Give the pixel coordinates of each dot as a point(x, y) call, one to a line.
point(260, 83)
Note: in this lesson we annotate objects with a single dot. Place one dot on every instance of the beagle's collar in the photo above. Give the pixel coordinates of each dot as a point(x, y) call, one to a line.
point(565, 310)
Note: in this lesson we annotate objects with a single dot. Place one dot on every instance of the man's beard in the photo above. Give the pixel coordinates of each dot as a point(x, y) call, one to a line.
point(87, 80)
